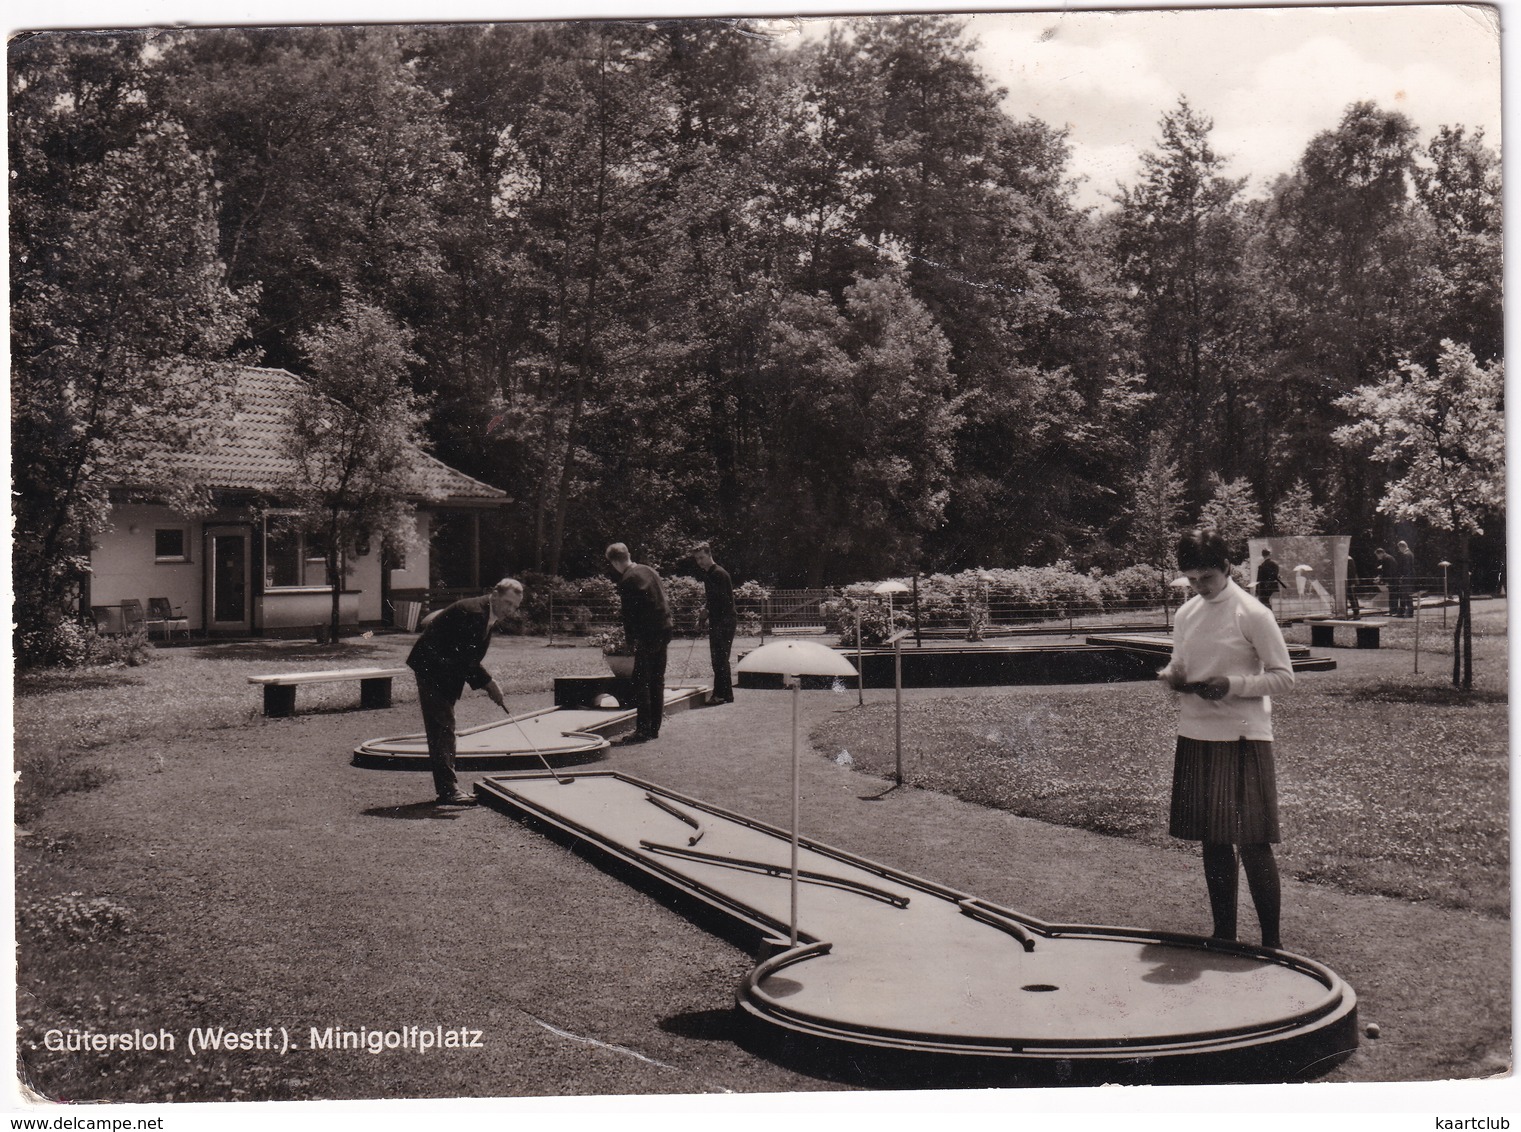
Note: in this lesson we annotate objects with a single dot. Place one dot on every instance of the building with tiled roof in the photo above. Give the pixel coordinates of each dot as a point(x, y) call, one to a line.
point(236, 570)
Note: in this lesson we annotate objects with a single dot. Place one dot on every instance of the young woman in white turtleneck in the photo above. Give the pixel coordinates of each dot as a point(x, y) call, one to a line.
point(1228, 660)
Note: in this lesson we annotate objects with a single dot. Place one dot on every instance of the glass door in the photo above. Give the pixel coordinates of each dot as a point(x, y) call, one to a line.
point(227, 579)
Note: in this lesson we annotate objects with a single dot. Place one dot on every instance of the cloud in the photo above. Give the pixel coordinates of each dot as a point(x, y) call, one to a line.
point(1270, 79)
point(1294, 95)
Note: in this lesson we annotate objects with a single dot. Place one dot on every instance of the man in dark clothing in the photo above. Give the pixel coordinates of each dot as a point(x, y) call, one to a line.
point(445, 658)
point(722, 620)
point(1352, 581)
point(1267, 578)
point(647, 626)
point(1405, 566)
point(1387, 572)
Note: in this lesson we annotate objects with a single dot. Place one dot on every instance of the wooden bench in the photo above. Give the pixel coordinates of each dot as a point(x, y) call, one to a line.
point(1323, 633)
point(374, 686)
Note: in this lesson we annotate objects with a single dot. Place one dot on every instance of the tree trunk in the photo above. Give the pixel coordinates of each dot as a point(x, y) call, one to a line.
point(1462, 631)
point(334, 580)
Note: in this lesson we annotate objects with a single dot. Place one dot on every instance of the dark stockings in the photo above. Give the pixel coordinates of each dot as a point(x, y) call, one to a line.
point(1261, 878)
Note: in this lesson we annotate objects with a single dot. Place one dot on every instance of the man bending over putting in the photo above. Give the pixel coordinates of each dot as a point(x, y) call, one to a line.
point(448, 656)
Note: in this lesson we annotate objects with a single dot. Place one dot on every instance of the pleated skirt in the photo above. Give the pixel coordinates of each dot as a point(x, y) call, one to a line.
point(1224, 792)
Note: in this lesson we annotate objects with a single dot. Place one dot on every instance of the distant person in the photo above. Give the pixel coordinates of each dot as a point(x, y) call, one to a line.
point(647, 626)
point(1228, 658)
point(1405, 569)
point(1386, 571)
point(1267, 578)
point(1352, 584)
point(445, 658)
point(722, 620)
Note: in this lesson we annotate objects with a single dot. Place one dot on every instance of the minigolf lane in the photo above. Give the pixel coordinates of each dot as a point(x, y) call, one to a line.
point(893, 963)
point(565, 733)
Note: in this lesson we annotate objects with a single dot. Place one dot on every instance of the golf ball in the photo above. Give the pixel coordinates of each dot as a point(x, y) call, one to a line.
point(1372, 1031)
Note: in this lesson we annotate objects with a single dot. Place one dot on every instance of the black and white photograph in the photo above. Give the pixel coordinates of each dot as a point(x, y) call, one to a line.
point(868, 561)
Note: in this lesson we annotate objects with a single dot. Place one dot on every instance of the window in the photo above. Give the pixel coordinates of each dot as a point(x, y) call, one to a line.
point(169, 545)
point(293, 558)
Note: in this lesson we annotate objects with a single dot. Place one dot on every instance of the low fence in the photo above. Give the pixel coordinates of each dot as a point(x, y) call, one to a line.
point(1070, 603)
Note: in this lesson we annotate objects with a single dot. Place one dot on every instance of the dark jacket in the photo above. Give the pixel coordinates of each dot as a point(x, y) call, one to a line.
point(1267, 578)
point(719, 588)
point(448, 655)
point(646, 613)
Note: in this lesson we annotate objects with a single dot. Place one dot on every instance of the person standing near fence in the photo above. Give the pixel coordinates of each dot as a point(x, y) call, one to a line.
point(1267, 578)
point(445, 658)
point(1228, 659)
point(647, 626)
point(722, 620)
point(1405, 566)
point(1386, 572)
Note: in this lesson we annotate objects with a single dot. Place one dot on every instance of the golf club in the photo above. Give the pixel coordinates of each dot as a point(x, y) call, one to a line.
point(686, 668)
point(523, 731)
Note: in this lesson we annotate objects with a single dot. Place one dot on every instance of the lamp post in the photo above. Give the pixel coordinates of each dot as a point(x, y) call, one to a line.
point(1444, 564)
point(896, 640)
point(796, 659)
point(890, 588)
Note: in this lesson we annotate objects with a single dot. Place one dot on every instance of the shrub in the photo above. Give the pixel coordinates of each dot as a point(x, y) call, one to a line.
point(749, 598)
point(63, 644)
point(72, 644)
point(688, 599)
point(1134, 586)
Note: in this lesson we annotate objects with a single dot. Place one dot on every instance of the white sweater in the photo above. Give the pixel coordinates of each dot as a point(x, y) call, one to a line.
point(1232, 635)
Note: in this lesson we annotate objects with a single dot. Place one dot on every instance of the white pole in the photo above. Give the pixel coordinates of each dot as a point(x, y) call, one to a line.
point(1417, 608)
point(860, 669)
point(795, 686)
point(898, 703)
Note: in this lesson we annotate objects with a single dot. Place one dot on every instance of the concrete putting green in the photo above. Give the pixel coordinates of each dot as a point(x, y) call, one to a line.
point(561, 734)
point(905, 981)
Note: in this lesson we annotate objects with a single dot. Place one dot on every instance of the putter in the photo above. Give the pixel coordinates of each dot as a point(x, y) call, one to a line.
point(523, 731)
point(686, 668)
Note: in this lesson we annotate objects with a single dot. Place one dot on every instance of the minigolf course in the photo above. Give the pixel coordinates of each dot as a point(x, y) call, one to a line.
point(563, 734)
point(900, 980)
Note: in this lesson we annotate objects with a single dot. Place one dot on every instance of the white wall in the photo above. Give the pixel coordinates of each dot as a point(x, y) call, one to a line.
point(415, 576)
point(123, 565)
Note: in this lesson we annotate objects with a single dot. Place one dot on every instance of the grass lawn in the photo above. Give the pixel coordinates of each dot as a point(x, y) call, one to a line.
point(1390, 782)
point(182, 861)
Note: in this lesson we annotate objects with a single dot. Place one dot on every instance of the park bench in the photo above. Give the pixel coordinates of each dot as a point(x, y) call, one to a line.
point(1323, 633)
point(280, 688)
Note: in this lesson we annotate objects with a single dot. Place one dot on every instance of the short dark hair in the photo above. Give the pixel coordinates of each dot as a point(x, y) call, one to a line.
point(1203, 549)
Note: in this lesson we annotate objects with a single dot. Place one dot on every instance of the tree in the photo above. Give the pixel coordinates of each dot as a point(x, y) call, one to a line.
point(1232, 511)
point(1179, 245)
point(1157, 507)
point(355, 435)
point(1443, 433)
point(121, 320)
point(1458, 186)
point(1343, 247)
point(859, 413)
point(331, 159)
point(1297, 512)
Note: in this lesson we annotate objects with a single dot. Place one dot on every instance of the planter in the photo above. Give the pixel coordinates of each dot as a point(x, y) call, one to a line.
point(622, 666)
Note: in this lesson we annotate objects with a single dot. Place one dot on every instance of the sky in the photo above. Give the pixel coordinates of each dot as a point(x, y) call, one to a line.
point(1270, 78)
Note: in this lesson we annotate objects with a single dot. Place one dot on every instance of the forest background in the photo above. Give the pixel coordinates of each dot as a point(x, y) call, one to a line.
point(831, 305)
